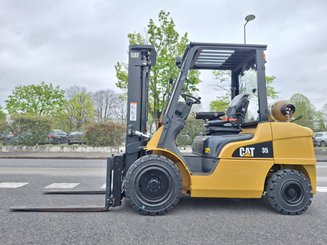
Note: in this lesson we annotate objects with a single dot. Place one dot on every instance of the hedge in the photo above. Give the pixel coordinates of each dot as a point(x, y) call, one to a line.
point(29, 129)
point(105, 134)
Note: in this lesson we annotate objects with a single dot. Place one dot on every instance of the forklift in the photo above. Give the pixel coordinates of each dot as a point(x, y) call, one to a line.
point(248, 151)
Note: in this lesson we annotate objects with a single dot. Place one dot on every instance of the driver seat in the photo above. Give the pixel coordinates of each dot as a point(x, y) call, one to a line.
point(237, 110)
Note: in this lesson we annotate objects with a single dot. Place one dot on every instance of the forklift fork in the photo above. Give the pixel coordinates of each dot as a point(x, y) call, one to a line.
point(113, 192)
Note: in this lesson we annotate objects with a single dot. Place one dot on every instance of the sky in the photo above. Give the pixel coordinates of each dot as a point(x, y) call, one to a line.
point(69, 43)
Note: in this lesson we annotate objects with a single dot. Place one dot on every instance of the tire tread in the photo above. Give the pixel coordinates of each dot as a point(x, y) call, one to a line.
point(128, 176)
point(271, 184)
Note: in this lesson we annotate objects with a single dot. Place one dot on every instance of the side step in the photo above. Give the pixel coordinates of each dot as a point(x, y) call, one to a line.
point(113, 192)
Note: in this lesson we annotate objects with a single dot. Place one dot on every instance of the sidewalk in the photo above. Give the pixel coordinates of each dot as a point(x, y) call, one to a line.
point(55, 155)
point(79, 155)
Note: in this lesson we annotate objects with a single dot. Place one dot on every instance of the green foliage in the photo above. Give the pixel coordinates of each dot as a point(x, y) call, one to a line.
point(80, 110)
point(29, 129)
point(63, 122)
point(305, 109)
point(320, 124)
point(42, 99)
point(219, 105)
point(272, 93)
point(105, 134)
point(168, 44)
point(192, 128)
point(3, 122)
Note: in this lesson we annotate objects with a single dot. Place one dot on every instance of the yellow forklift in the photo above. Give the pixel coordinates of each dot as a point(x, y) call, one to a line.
point(248, 151)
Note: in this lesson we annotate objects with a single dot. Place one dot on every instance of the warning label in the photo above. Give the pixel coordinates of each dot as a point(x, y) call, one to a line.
point(133, 111)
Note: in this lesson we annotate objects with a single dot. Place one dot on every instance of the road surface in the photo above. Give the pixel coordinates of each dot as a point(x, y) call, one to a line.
point(193, 221)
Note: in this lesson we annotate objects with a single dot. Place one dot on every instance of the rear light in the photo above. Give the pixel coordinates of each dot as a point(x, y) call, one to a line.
point(51, 136)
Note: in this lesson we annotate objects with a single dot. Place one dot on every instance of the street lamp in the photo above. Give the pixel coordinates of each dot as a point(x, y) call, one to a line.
point(247, 18)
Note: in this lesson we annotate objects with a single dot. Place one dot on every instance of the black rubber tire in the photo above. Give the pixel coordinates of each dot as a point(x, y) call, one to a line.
point(289, 191)
point(157, 170)
point(323, 144)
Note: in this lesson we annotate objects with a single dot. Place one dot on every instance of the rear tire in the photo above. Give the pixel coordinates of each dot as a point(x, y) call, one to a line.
point(323, 144)
point(289, 192)
point(153, 185)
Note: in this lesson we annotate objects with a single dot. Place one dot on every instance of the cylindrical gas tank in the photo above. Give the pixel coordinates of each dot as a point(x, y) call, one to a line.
point(282, 110)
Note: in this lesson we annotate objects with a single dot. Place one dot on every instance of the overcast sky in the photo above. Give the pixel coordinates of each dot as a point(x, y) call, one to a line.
point(78, 42)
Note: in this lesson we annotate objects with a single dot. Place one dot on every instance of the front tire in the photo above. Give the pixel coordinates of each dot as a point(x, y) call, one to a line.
point(289, 192)
point(153, 185)
point(323, 144)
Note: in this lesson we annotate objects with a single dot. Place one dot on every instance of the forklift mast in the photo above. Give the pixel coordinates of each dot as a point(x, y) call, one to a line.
point(140, 60)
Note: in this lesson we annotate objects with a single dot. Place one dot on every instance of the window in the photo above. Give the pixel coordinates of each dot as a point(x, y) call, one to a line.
point(248, 85)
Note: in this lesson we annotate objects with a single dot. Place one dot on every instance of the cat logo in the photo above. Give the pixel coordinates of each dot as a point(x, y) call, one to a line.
point(260, 150)
point(207, 150)
point(247, 151)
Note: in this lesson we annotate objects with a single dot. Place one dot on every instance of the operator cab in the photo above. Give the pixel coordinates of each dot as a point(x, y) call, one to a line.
point(247, 108)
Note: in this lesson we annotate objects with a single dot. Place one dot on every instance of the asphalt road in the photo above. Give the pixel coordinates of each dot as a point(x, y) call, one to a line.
point(193, 221)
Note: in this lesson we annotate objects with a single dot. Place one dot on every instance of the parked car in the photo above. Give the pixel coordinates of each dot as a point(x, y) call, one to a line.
point(57, 136)
point(320, 139)
point(75, 138)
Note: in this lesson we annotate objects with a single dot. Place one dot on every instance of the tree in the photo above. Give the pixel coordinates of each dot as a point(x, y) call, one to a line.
point(3, 122)
point(272, 93)
point(121, 109)
point(168, 43)
point(304, 109)
point(80, 110)
point(324, 113)
point(223, 87)
point(43, 99)
point(72, 91)
point(320, 122)
point(324, 110)
point(219, 105)
point(105, 103)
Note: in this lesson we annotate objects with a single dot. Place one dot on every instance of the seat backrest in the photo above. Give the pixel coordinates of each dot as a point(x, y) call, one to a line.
point(238, 106)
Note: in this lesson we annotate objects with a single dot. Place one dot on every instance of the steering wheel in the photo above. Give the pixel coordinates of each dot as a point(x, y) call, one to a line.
point(194, 99)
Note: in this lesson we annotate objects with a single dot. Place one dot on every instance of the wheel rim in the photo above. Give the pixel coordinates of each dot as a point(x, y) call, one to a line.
point(153, 185)
point(293, 192)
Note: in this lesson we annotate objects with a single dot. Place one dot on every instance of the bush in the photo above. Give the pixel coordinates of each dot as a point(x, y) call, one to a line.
point(193, 127)
point(29, 129)
point(105, 134)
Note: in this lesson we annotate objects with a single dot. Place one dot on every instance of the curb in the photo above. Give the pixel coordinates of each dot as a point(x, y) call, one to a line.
point(50, 157)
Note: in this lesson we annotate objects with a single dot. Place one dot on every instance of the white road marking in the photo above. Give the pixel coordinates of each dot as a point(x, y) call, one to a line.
point(61, 185)
point(321, 188)
point(12, 184)
point(321, 166)
point(321, 178)
point(104, 186)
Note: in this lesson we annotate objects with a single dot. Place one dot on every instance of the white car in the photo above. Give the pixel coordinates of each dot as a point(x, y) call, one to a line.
point(320, 139)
